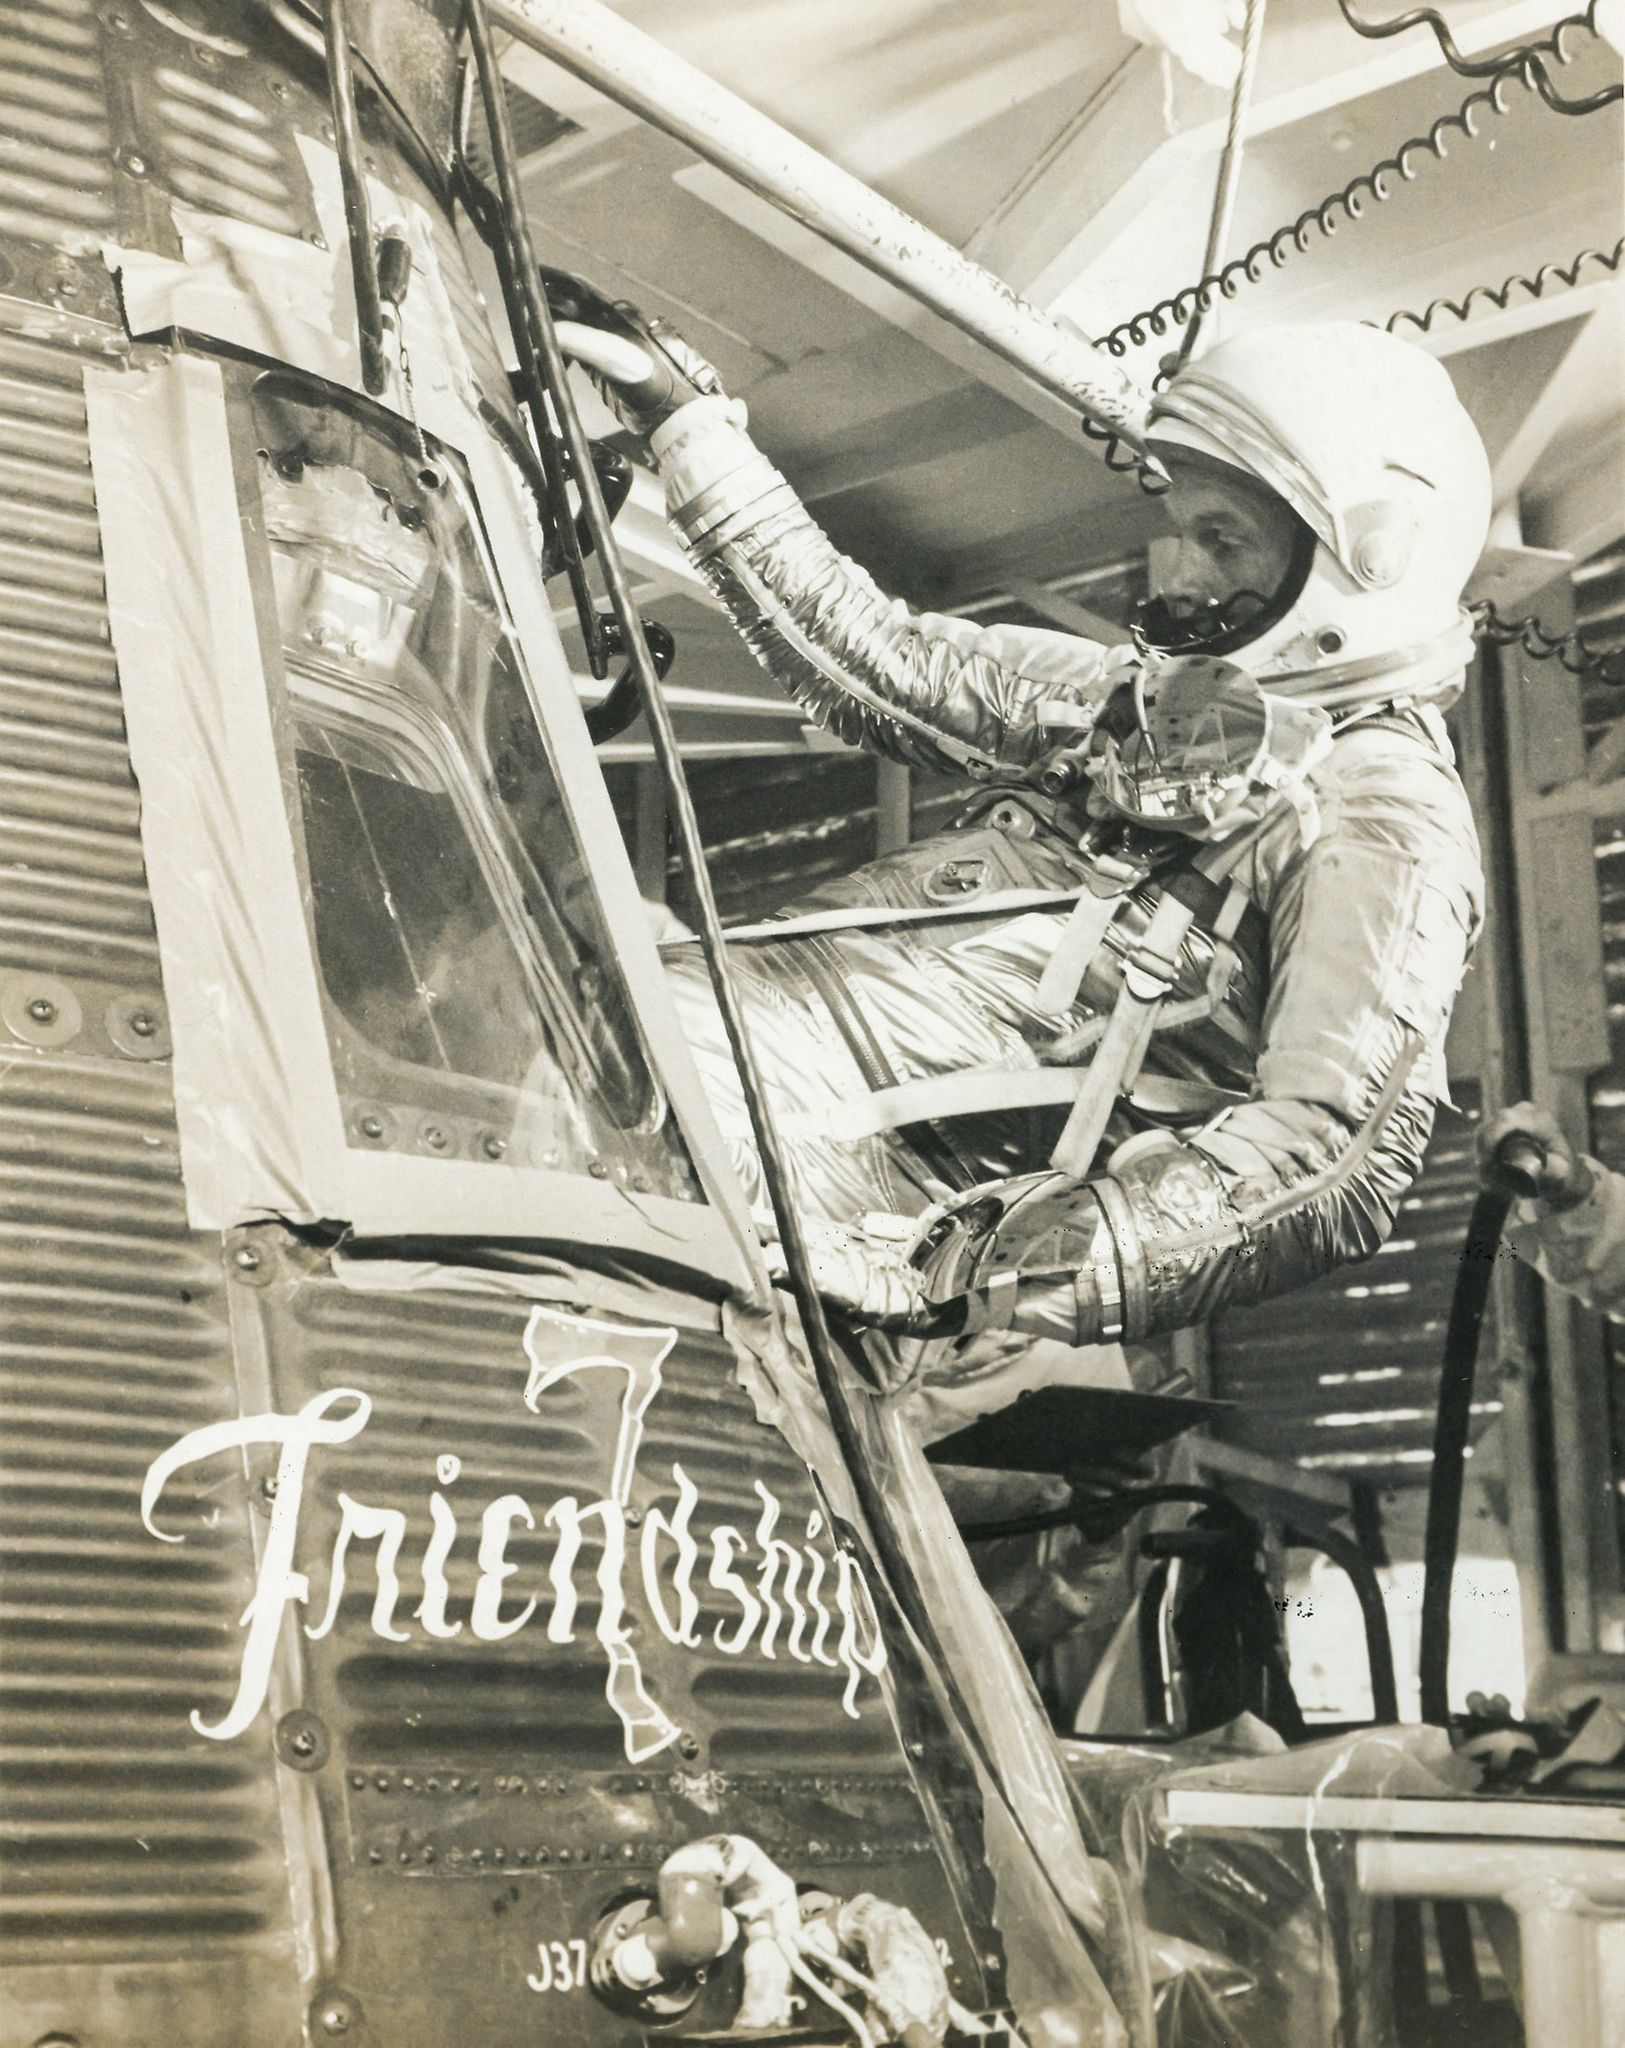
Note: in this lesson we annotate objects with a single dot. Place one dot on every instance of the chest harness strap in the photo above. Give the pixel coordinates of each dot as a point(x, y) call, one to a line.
point(1149, 974)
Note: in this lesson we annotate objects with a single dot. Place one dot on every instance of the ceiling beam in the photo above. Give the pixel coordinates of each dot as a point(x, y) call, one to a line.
point(788, 238)
point(1585, 366)
point(873, 450)
point(1067, 613)
point(1151, 124)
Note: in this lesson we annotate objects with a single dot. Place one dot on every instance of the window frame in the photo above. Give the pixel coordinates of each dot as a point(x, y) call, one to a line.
point(198, 637)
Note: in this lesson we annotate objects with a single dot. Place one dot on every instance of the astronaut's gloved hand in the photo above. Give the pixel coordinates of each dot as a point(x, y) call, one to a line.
point(644, 368)
point(1565, 1180)
point(864, 1277)
point(1030, 1253)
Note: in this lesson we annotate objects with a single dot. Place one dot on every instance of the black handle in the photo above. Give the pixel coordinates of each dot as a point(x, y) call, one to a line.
point(621, 703)
point(1520, 1165)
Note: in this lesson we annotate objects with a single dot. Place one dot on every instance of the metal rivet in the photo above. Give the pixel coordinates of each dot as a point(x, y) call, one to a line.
point(493, 1146)
point(136, 165)
point(435, 1138)
point(634, 1518)
point(598, 1169)
point(301, 1740)
point(247, 1256)
point(689, 1746)
point(371, 1126)
point(143, 1023)
point(42, 1010)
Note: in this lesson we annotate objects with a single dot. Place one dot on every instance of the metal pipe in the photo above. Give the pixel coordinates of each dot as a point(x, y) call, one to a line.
point(631, 68)
point(501, 220)
point(1566, 1896)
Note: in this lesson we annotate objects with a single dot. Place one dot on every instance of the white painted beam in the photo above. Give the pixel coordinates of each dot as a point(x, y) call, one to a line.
point(1591, 357)
point(1150, 126)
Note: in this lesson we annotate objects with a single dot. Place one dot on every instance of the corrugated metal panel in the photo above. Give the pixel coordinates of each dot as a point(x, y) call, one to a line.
point(221, 151)
point(55, 167)
point(480, 1798)
point(72, 890)
point(122, 1831)
point(1343, 1375)
point(125, 1836)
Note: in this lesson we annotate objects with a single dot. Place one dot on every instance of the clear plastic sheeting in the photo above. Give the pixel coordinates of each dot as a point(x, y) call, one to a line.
point(1241, 1858)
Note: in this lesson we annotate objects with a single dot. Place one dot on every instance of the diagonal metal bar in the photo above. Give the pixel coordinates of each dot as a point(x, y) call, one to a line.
point(635, 71)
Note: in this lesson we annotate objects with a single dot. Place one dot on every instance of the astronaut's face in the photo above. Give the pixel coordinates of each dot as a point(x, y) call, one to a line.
point(1234, 534)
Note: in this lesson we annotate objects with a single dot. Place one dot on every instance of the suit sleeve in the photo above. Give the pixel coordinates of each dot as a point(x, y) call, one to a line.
point(937, 692)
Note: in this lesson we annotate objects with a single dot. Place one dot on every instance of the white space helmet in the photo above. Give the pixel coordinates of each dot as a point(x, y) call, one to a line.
point(1364, 437)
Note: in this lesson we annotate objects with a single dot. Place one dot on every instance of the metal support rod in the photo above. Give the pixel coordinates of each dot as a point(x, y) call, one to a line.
point(1224, 195)
point(369, 304)
point(502, 222)
point(631, 68)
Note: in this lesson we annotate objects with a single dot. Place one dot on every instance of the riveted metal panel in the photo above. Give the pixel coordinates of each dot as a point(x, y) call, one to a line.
point(486, 1791)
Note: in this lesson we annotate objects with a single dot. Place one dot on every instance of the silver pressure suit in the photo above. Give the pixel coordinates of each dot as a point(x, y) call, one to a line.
point(1288, 1017)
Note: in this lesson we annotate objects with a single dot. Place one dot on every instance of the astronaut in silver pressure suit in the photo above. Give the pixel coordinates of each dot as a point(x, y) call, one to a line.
point(1211, 896)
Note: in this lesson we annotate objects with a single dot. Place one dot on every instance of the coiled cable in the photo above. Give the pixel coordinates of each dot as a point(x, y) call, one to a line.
point(1568, 650)
point(1549, 277)
point(1525, 66)
point(1528, 58)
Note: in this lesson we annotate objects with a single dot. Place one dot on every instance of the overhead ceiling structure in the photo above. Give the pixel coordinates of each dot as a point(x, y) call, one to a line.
point(1079, 165)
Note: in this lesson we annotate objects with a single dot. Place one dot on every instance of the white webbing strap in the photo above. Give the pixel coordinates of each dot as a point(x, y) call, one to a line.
point(1148, 975)
point(885, 917)
point(989, 1090)
point(1079, 938)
